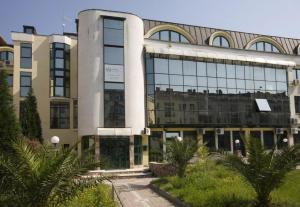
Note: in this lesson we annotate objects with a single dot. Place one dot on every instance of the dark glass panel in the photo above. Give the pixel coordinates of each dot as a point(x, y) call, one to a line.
point(209, 140)
point(268, 139)
point(113, 23)
point(113, 37)
point(224, 141)
point(113, 55)
point(114, 110)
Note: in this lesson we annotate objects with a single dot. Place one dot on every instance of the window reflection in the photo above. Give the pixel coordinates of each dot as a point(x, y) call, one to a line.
point(214, 93)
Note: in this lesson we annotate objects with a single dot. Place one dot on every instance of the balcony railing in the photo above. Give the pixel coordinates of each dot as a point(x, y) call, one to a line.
point(6, 64)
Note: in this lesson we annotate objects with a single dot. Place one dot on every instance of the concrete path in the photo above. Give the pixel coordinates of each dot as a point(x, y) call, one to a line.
point(134, 192)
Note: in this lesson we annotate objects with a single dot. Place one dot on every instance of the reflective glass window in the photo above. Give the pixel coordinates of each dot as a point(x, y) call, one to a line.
point(270, 86)
point(161, 79)
point(221, 70)
point(212, 82)
point(231, 83)
point(175, 66)
point(190, 80)
point(59, 115)
point(201, 68)
point(174, 37)
point(189, 68)
point(270, 74)
point(280, 75)
point(221, 82)
point(176, 80)
point(230, 71)
point(202, 81)
point(113, 37)
point(113, 23)
point(259, 85)
point(161, 65)
point(211, 69)
point(240, 73)
point(249, 84)
point(164, 35)
point(249, 72)
point(25, 83)
point(259, 73)
point(113, 55)
point(240, 83)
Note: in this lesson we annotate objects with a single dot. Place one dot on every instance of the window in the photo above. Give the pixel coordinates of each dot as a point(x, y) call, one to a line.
point(264, 46)
point(75, 114)
point(268, 139)
point(60, 69)
point(26, 55)
point(297, 104)
point(25, 83)
point(9, 80)
point(296, 74)
point(220, 41)
point(7, 56)
point(170, 36)
point(114, 100)
point(59, 115)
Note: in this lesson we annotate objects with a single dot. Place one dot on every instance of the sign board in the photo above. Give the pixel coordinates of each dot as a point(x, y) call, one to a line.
point(114, 73)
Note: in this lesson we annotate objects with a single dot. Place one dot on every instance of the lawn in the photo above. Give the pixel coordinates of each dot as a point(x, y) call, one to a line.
point(214, 185)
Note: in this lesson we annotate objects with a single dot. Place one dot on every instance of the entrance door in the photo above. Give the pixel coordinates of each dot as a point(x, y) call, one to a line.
point(114, 152)
point(138, 150)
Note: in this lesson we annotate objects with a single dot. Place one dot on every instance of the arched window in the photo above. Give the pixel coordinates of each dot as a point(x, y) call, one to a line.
point(220, 41)
point(264, 46)
point(170, 36)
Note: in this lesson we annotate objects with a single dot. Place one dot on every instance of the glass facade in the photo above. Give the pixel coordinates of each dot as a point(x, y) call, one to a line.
point(264, 46)
point(297, 104)
point(200, 93)
point(7, 56)
point(114, 95)
point(26, 55)
point(59, 115)
point(60, 69)
point(25, 83)
point(170, 36)
point(220, 41)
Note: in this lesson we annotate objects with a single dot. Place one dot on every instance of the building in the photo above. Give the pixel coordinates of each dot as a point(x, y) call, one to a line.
point(120, 77)
point(7, 61)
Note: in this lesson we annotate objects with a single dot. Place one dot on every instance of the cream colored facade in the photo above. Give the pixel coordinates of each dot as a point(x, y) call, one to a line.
point(87, 78)
point(40, 72)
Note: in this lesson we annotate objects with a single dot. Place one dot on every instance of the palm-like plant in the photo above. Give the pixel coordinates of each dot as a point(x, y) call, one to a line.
point(41, 177)
point(264, 170)
point(179, 152)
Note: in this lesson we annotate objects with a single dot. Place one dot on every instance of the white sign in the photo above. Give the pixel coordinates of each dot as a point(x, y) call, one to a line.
point(114, 73)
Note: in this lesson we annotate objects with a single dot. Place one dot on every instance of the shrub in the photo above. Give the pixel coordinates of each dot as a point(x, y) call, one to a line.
point(97, 196)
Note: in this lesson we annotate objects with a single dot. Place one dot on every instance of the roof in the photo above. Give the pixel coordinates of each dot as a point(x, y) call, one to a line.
point(241, 39)
point(2, 42)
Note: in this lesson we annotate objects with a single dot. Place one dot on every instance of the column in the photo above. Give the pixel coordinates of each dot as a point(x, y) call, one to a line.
point(164, 145)
point(97, 149)
point(131, 151)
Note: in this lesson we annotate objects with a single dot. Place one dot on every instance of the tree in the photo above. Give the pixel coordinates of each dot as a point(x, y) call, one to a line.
point(9, 127)
point(42, 177)
point(179, 152)
point(264, 170)
point(30, 118)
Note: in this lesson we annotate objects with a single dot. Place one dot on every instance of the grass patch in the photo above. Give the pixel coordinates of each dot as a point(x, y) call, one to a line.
point(214, 185)
point(98, 196)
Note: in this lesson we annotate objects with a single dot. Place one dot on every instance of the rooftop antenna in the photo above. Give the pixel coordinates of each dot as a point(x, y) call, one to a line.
point(63, 27)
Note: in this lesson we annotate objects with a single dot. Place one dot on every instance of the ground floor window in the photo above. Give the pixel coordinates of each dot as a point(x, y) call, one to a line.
point(268, 140)
point(224, 143)
point(296, 138)
point(138, 150)
point(59, 115)
point(209, 140)
point(156, 147)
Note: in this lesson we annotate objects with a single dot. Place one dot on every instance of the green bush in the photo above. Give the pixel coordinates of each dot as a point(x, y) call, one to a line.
point(98, 196)
point(212, 185)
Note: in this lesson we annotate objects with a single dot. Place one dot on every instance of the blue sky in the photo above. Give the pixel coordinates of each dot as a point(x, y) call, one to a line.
point(270, 17)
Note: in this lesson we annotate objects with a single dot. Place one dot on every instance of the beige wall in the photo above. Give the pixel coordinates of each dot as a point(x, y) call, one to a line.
point(41, 83)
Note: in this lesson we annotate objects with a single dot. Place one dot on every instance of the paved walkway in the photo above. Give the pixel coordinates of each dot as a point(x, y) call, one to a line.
point(134, 192)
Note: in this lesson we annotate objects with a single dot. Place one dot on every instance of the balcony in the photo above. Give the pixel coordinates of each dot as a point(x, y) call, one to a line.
point(6, 65)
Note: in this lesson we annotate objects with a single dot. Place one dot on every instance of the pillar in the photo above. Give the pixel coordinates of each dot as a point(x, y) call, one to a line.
point(131, 151)
point(97, 149)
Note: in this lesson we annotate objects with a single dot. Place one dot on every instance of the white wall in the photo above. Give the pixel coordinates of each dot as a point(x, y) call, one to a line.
point(90, 72)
